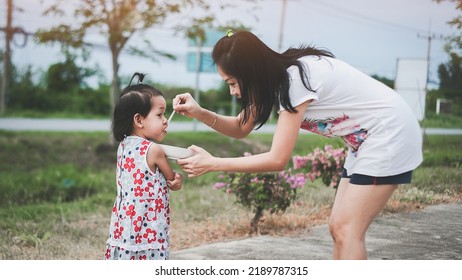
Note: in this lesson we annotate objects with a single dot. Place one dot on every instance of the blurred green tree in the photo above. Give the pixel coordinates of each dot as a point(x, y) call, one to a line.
point(455, 41)
point(118, 21)
point(450, 73)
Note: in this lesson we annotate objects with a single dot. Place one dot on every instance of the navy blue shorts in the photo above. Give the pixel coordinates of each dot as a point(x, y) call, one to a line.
point(360, 179)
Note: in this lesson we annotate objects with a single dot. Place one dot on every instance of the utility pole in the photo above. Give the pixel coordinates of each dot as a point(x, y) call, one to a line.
point(6, 56)
point(281, 33)
point(429, 37)
point(198, 72)
point(10, 31)
point(281, 26)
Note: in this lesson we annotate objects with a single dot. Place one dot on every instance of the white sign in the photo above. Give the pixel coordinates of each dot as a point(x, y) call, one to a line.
point(410, 83)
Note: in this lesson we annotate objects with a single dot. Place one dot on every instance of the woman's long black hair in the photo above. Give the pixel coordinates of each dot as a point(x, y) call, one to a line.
point(261, 72)
point(134, 99)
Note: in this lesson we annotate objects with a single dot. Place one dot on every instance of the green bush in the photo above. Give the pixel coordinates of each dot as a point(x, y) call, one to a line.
point(53, 184)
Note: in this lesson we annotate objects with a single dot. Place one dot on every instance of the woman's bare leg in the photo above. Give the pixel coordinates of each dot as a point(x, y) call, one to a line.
point(355, 207)
point(338, 197)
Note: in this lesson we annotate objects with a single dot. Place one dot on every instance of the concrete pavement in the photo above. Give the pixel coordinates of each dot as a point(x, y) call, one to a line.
point(434, 233)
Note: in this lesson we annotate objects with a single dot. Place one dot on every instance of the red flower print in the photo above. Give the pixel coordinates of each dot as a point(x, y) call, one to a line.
point(131, 211)
point(138, 239)
point(143, 150)
point(144, 147)
point(159, 205)
point(138, 177)
point(119, 161)
point(161, 241)
point(143, 257)
point(108, 253)
point(149, 189)
point(138, 222)
point(150, 215)
point(139, 191)
point(118, 232)
point(150, 235)
point(162, 190)
point(129, 164)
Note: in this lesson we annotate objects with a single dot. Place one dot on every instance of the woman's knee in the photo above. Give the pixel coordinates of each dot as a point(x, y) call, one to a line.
point(341, 228)
point(337, 228)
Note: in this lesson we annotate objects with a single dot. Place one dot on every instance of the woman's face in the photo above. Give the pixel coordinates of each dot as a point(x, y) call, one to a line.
point(232, 83)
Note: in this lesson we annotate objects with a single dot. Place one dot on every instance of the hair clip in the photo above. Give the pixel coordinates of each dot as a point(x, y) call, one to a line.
point(229, 33)
point(140, 77)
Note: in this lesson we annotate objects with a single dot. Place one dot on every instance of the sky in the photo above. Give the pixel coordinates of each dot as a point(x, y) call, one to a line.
point(370, 35)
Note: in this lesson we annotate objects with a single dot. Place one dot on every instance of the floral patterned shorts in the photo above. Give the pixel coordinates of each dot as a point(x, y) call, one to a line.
point(118, 253)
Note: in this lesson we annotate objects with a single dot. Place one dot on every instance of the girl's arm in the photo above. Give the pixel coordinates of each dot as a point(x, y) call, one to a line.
point(156, 158)
point(284, 140)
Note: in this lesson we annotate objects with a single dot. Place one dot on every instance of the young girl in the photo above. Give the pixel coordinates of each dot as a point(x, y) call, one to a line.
point(140, 220)
point(314, 91)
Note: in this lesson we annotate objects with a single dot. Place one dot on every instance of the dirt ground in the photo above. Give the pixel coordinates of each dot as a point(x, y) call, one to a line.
point(84, 239)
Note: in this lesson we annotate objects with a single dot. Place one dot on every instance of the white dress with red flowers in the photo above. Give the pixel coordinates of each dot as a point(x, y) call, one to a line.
point(140, 219)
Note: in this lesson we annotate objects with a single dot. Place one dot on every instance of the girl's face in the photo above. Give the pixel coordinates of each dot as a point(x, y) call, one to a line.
point(232, 83)
point(154, 125)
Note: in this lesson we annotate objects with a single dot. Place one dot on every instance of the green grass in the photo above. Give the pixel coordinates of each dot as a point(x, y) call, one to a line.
point(442, 121)
point(442, 150)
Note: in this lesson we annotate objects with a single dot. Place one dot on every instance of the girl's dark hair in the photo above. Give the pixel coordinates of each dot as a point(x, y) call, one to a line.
point(261, 72)
point(135, 99)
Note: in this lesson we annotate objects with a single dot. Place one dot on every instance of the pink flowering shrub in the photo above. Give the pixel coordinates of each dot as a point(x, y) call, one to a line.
point(326, 164)
point(275, 191)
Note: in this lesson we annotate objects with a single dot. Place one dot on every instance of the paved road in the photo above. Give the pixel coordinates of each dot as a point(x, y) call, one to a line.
point(28, 124)
point(434, 233)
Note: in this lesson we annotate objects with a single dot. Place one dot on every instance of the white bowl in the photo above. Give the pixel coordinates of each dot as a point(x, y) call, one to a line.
point(173, 152)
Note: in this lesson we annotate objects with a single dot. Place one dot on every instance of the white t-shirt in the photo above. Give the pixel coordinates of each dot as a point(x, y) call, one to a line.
point(380, 129)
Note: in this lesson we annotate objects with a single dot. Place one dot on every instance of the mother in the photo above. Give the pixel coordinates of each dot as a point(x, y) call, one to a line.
point(313, 90)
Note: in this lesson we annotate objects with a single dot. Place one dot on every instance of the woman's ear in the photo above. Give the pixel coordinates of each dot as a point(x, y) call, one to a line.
point(138, 120)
